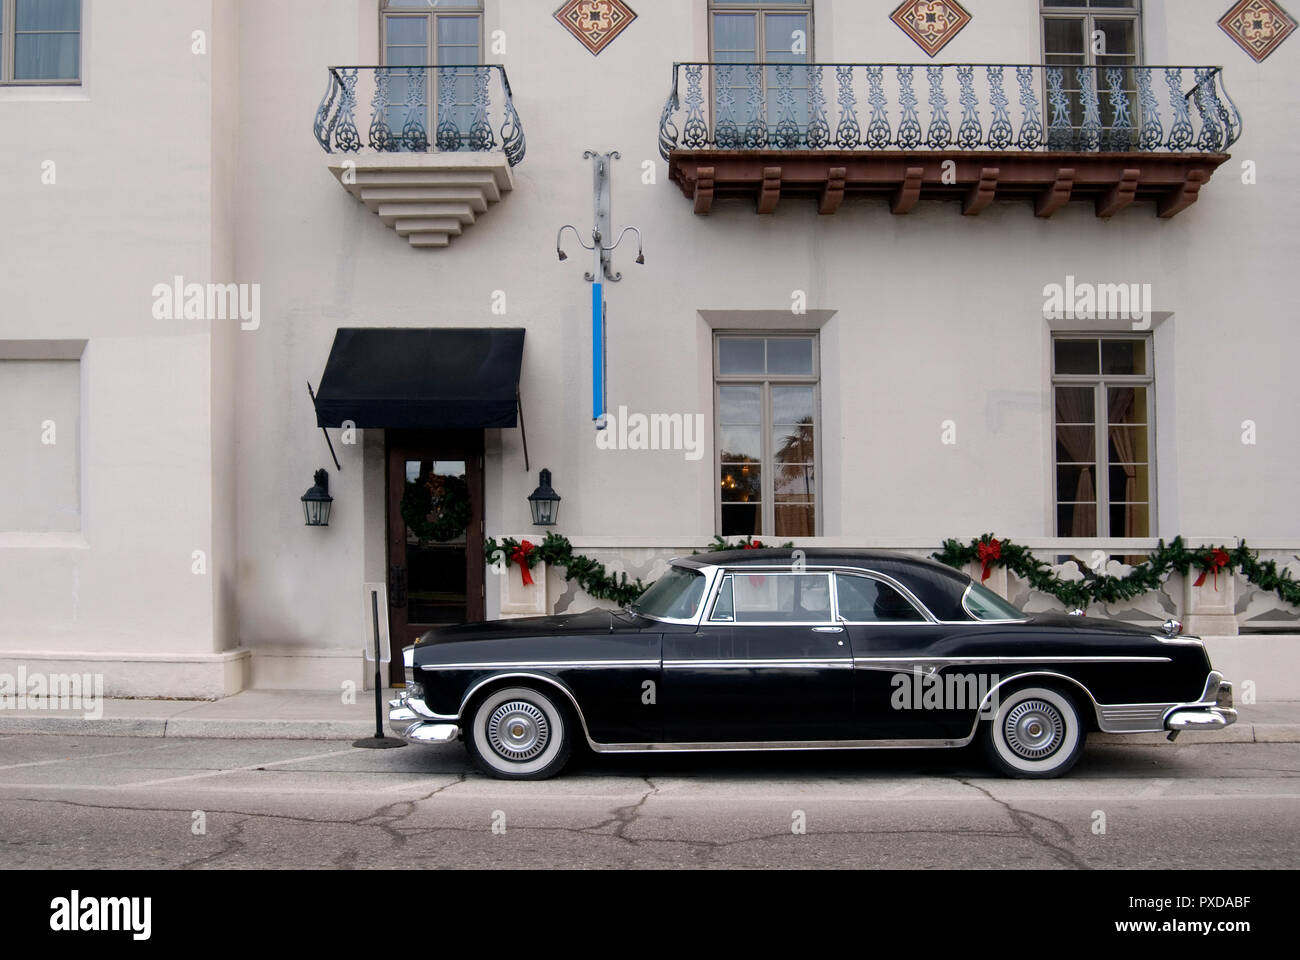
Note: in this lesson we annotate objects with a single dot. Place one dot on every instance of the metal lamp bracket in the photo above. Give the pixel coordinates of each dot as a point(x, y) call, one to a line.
point(601, 216)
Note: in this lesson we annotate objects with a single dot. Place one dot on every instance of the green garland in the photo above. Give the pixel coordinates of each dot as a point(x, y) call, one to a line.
point(558, 552)
point(1143, 578)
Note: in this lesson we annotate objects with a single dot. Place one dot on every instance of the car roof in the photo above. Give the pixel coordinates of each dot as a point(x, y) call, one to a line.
point(937, 585)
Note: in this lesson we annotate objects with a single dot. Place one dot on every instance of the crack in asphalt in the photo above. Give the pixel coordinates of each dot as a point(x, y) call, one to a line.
point(387, 821)
point(230, 844)
point(1024, 821)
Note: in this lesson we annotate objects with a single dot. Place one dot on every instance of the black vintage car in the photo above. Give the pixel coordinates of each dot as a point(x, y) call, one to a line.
point(791, 650)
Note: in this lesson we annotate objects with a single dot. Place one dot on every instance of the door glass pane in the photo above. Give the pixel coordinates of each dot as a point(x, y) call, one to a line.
point(1127, 404)
point(436, 509)
point(863, 600)
point(783, 598)
point(1075, 405)
point(1076, 519)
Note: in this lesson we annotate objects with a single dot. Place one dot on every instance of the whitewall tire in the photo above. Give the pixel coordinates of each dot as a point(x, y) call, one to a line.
point(519, 733)
point(1036, 733)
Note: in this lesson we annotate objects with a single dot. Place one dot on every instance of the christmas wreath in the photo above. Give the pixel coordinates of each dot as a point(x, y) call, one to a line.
point(436, 507)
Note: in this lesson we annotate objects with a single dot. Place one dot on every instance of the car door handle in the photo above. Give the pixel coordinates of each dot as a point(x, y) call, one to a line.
point(828, 629)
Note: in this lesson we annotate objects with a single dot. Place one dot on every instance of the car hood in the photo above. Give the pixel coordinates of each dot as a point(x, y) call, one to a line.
point(589, 621)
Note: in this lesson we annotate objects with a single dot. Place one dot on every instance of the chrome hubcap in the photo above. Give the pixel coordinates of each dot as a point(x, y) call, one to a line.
point(518, 730)
point(1034, 729)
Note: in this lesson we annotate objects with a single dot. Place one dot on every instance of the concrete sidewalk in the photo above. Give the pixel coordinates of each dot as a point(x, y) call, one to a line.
point(322, 715)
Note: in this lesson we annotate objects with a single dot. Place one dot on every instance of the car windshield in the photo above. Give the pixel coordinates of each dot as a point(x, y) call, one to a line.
point(983, 604)
point(675, 595)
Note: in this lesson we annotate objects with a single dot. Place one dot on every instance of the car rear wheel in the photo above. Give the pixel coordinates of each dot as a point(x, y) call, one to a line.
point(1036, 733)
point(519, 733)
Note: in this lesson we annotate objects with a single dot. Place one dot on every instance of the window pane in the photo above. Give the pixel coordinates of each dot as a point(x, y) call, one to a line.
point(740, 482)
point(1074, 483)
point(1129, 445)
point(785, 598)
point(1075, 405)
point(795, 483)
point(781, 33)
point(408, 30)
point(1130, 520)
point(863, 600)
point(46, 56)
point(790, 356)
point(736, 356)
point(458, 30)
point(740, 405)
point(793, 444)
point(735, 38)
point(795, 520)
point(724, 608)
point(1076, 519)
point(47, 15)
point(1124, 357)
point(740, 444)
point(1063, 36)
point(792, 405)
point(741, 519)
point(1076, 357)
point(403, 57)
point(1120, 39)
point(1127, 404)
point(1075, 444)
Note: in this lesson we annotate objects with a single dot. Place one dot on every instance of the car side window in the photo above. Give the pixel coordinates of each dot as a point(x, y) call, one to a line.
point(864, 600)
point(774, 598)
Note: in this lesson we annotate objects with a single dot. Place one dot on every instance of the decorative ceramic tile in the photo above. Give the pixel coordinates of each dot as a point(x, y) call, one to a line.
point(1258, 26)
point(931, 23)
point(595, 22)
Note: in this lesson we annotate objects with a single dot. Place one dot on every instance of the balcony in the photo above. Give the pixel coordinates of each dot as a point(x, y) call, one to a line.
point(428, 166)
point(1107, 135)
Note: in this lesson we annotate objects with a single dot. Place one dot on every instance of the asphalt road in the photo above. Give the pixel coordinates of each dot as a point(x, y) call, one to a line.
point(90, 802)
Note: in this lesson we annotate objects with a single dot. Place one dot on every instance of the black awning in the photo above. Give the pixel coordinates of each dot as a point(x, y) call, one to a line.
point(422, 378)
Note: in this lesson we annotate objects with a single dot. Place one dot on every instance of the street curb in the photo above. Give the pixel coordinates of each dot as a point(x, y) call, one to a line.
point(191, 729)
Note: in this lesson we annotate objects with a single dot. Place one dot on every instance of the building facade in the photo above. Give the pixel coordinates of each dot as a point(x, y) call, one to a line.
point(911, 272)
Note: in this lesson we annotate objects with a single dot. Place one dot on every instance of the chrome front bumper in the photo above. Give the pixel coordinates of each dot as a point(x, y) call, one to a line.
point(415, 723)
point(1214, 711)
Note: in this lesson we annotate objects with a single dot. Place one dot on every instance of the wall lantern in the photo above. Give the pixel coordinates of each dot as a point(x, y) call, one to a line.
point(317, 501)
point(544, 502)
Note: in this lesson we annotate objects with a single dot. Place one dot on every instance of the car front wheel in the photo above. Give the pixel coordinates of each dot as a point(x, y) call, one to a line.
point(518, 733)
point(1036, 733)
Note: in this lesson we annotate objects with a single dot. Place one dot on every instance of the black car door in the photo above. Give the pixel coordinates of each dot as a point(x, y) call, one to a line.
point(768, 663)
point(901, 689)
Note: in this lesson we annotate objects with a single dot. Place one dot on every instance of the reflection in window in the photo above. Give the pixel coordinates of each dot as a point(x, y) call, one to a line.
point(864, 600)
point(767, 435)
point(776, 598)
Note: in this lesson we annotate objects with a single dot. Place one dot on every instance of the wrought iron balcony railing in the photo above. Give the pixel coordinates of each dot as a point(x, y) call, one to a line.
point(969, 106)
point(466, 111)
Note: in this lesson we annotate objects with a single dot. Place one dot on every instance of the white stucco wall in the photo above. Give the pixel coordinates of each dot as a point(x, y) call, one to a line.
point(203, 437)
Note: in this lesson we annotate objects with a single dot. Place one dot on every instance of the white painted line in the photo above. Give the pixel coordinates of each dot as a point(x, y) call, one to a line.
point(220, 773)
point(88, 756)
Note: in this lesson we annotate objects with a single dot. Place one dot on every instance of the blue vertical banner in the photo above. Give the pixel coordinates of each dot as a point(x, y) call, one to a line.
point(597, 352)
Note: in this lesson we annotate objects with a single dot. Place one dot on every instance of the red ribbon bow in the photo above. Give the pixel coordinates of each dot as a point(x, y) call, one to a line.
point(989, 552)
point(754, 545)
point(1214, 560)
point(520, 556)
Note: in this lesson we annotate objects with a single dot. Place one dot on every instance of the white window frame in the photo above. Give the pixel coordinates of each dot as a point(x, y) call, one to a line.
point(1101, 427)
point(8, 48)
point(767, 509)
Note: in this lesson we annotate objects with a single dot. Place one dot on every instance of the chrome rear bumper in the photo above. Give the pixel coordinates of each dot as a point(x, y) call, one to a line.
point(1214, 711)
point(409, 720)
